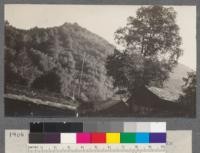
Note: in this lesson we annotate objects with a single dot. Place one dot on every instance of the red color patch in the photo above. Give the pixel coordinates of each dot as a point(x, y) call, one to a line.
point(99, 137)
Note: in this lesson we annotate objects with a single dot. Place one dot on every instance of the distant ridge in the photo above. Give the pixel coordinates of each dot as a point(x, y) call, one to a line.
point(173, 86)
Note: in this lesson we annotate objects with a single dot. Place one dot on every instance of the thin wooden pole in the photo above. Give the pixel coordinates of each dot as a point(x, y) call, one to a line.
point(80, 78)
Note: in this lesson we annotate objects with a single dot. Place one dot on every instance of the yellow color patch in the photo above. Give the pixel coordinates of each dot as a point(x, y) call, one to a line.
point(112, 137)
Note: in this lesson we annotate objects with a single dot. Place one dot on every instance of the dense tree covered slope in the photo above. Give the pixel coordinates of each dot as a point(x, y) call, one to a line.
point(51, 59)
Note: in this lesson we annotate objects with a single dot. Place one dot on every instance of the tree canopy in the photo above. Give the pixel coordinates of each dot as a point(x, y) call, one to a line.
point(188, 98)
point(150, 45)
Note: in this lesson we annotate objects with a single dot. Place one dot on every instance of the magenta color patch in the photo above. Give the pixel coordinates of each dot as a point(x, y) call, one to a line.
point(83, 138)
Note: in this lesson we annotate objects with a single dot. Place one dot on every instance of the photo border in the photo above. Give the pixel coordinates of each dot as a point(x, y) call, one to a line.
point(172, 123)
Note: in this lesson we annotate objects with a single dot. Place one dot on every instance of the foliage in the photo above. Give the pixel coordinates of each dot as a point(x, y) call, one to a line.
point(49, 81)
point(188, 98)
point(150, 49)
point(51, 58)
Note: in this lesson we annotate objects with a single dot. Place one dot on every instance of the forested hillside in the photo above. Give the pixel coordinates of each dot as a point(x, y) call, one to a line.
point(51, 59)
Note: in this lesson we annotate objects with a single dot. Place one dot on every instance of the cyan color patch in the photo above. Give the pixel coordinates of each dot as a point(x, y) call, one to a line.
point(142, 137)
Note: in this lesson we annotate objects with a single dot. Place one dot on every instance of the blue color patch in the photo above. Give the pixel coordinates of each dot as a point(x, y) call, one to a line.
point(142, 137)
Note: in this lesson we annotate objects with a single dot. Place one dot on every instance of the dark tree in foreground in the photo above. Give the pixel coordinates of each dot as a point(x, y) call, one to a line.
point(151, 48)
point(188, 98)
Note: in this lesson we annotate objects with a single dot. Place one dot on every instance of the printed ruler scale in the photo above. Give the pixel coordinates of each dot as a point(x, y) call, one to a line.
point(93, 148)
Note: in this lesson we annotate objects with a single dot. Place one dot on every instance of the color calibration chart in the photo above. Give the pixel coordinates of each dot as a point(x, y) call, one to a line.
point(77, 137)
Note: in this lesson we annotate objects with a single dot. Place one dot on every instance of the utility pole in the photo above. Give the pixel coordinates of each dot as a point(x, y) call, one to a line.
point(80, 78)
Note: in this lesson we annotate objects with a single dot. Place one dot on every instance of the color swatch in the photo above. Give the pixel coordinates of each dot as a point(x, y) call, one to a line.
point(52, 138)
point(68, 138)
point(106, 132)
point(98, 137)
point(36, 138)
point(142, 137)
point(83, 138)
point(112, 137)
point(157, 138)
point(73, 127)
point(127, 138)
point(56, 127)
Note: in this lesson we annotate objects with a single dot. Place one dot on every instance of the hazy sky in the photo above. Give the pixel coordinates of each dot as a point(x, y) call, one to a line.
point(103, 20)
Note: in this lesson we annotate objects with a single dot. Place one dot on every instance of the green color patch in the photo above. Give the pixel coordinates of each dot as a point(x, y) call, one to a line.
point(127, 137)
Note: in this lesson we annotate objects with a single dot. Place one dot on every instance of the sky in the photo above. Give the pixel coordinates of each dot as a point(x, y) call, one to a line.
point(103, 20)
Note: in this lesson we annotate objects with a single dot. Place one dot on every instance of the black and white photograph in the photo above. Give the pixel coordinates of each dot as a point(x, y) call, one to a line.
point(99, 60)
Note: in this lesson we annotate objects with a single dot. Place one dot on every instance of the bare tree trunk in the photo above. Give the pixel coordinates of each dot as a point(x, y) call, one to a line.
point(79, 89)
